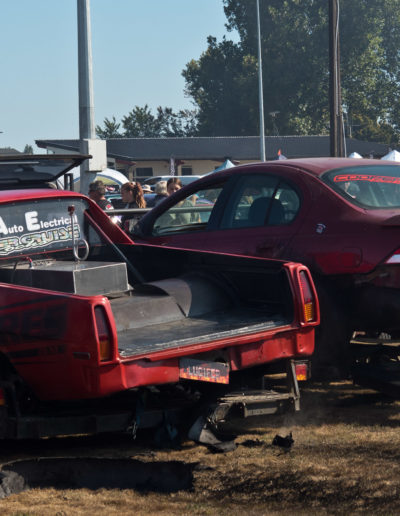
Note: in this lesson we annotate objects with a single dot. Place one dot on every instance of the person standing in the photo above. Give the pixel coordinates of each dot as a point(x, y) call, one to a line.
point(132, 197)
point(149, 195)
point(182, 218)
point(160, 191)
point(173, 185)
point(97, 191)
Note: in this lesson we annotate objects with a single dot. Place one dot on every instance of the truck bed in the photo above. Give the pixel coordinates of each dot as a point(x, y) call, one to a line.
point(189, 310)
point(195, 330)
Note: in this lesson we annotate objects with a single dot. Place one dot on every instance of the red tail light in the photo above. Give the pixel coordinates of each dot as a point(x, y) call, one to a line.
point(308, 297)
point(103, 334)
point(302, 371)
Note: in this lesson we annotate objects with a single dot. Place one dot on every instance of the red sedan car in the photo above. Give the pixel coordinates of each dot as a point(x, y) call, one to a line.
point(339, 216)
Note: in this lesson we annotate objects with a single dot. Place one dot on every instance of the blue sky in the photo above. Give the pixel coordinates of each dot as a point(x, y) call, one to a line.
point(139, 49)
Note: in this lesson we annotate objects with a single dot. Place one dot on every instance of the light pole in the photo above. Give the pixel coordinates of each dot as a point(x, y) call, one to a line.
point(86, 104)
point(260, 88)
point(335, 95)
point(85, 80)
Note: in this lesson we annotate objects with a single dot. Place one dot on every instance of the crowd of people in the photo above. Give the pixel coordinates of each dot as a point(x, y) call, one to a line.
point(134, 195)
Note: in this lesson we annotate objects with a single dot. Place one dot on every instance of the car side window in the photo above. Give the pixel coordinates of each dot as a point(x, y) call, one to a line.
point(261, 201)
point(190, 214)
point(290, 202)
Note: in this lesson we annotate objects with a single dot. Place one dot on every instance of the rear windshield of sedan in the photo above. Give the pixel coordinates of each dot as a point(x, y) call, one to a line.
point(374, 186)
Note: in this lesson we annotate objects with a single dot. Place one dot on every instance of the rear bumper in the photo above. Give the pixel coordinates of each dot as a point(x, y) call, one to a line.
point(132, 373)
point(81, 379)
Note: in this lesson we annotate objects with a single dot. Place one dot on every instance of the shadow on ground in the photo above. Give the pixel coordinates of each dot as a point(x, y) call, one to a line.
point(95, 473)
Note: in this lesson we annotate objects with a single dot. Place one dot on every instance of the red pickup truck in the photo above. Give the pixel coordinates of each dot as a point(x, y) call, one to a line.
point(99, 334)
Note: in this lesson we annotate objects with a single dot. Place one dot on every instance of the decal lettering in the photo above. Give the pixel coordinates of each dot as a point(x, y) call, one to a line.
point(27, 227)
point(8, 245)
point(343, 178)
point(36, 240)
point(32, 223)
point(3, 227)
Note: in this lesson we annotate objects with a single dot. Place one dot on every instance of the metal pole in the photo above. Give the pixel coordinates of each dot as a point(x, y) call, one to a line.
point(341, 134)
point(260, 88)
point(86, 103)
point(86, 109)
point(332, 79)
point(335, 96)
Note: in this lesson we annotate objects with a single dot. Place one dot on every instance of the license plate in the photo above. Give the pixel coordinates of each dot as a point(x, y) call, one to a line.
point(192, 369)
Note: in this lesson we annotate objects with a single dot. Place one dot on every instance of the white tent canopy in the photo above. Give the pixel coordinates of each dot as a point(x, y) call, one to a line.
point(355, 155)
point(226, 164)
point(108, 176)
point(393, 155)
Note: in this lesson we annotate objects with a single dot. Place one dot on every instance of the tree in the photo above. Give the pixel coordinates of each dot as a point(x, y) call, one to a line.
point(222, 82)
point(28, 149)
point(141, 123)
point(111, 128)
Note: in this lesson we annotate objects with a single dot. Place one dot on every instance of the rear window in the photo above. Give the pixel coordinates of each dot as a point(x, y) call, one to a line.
point(35, 227)
point(373, 186)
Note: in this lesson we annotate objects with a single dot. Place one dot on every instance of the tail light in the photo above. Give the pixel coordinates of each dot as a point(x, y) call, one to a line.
point(103, 334)
point(2, 397)
point(302, 370)
point(308, 298)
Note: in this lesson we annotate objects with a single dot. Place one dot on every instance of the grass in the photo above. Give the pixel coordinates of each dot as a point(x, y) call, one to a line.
point(345, 460)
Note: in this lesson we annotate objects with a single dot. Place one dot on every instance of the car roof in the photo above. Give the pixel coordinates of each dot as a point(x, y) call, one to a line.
point(312, 166)
point(34, 170)
point(315, 166)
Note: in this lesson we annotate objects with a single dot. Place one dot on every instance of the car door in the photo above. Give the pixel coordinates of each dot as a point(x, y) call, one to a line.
point(260, 217)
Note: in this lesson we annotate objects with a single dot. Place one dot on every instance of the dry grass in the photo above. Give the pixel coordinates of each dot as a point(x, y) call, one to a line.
point(345, 460)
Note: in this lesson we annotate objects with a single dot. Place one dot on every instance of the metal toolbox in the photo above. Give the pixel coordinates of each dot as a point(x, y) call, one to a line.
point(84, 278)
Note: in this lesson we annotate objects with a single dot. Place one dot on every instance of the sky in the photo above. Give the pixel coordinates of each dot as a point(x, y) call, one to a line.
point(139, 49)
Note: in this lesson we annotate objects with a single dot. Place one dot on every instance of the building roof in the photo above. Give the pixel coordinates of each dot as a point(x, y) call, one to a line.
point(8, 150)
point(221, 147)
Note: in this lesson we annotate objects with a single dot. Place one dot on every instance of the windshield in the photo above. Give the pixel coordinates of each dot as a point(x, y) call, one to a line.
point(375, 186)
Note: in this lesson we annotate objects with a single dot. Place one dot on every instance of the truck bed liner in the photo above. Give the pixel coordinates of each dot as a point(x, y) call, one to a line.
point(195, 330)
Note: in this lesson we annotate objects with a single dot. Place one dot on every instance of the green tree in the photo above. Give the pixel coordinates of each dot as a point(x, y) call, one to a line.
point(110, 130)
point(28, 149)
point(141, 123)
point(223, 81)
point(223, 84)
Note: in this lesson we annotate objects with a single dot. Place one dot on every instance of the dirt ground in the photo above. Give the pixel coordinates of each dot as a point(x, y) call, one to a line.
point(345, 460)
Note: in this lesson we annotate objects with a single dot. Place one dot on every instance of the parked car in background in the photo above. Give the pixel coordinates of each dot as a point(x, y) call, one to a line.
point(115, 199)
point(339, 216)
